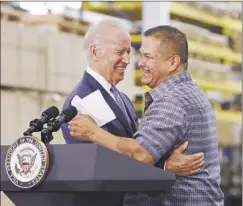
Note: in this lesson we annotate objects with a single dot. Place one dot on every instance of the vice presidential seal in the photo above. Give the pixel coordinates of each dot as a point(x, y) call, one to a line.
point(27, 162)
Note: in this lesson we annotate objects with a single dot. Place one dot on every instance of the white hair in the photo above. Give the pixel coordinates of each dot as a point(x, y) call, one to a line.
point(99, 31)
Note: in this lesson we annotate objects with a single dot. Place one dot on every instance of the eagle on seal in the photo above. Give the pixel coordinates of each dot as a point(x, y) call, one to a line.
point(26, 162)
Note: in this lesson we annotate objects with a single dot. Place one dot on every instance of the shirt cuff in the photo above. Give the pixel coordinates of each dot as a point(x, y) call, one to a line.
point(149, 149)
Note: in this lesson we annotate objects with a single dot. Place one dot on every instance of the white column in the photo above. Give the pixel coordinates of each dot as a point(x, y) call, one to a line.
point(155, 14)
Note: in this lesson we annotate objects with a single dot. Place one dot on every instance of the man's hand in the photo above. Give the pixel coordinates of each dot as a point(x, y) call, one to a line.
point(82, 127)
point(184, 165)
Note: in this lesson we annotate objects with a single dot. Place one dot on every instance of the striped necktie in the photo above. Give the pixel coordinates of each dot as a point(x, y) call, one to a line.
point(120, 102)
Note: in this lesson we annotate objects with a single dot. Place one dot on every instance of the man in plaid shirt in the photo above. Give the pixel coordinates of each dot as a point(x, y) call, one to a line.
point(176, 111)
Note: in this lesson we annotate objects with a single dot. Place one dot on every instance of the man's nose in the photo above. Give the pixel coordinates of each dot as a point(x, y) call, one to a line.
point(126, 58)
point(141, 63)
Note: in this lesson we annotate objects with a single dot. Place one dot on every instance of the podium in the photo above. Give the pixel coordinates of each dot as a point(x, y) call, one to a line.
point(87, 175)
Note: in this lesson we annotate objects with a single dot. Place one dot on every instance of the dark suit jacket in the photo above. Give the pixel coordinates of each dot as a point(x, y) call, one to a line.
point(119, 126)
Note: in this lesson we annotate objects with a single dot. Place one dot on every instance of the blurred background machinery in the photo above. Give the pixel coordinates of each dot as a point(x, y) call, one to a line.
point(41, 62)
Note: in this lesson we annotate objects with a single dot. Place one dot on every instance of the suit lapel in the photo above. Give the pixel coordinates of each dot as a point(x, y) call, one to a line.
point(94, 85)
point(117, 111)
point(130, 110)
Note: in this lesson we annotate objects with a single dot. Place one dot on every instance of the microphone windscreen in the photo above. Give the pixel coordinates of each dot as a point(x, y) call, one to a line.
point(51, 112)
point(70, 113)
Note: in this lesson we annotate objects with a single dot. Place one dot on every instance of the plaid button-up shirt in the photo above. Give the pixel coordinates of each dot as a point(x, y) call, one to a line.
point(177, 111)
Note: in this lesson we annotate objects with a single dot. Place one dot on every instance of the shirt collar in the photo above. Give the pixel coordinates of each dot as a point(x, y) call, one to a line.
point(169, 84)
point(104, 83)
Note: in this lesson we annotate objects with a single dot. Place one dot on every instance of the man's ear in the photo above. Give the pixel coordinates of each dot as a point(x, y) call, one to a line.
point(93, 52)
point(175, 62)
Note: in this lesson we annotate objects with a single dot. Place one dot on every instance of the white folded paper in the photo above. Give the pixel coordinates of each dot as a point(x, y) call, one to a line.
point(94, 105)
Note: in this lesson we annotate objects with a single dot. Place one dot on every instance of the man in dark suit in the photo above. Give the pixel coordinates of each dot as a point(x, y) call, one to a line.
point(107, 47)
point(119, 126)
point(108, 58)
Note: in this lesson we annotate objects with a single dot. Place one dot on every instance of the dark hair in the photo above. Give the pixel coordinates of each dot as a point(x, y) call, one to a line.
point(172, 39)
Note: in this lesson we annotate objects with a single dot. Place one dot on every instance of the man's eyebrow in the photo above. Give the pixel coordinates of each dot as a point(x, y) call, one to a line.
point(144, 53)
point(122, 50)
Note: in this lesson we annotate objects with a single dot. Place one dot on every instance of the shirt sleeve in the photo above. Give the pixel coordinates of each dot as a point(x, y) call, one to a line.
point(163, 125)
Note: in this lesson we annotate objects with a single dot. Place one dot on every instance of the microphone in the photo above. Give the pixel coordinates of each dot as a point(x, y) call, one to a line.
point(65, 116)
point(36, 125)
